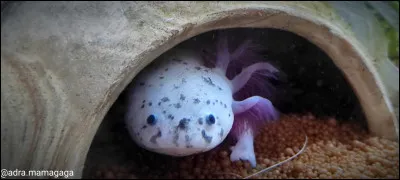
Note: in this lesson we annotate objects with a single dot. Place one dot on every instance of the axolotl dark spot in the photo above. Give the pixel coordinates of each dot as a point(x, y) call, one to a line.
point(154, 137)
point(183, 124)
point(182, 97)
point(187, 141)
point(176, 137)
point(165, 99)
point(176, 59)
point(177, 105)
point(221, 133)
point(208, 81)
point(196, 101)
point(206, 138)
point(200, 120)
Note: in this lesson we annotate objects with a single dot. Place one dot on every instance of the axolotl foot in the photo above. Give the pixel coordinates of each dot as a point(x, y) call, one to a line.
point(250, 114)
point(244, 149)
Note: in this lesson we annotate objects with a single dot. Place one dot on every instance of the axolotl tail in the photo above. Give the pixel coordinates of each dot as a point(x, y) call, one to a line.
point(253, 86)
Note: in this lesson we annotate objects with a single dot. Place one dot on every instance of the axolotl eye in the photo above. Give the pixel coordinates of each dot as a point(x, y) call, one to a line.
point(151, 120)
point(210, 119)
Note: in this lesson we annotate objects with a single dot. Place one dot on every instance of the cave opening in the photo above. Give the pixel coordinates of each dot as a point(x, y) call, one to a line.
point(317, 85)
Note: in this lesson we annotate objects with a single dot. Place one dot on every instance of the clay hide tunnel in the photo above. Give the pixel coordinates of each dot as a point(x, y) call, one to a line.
point(65, 65)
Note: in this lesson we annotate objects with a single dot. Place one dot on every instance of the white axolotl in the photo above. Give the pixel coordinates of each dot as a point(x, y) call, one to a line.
point(179, 107)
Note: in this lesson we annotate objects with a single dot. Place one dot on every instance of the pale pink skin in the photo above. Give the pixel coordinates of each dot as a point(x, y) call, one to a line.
point(252, 86)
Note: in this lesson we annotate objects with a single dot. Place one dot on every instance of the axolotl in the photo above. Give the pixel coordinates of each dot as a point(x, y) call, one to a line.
point(180, 107)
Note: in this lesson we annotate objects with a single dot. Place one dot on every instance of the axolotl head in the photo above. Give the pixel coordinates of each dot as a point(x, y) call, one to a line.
point(179, 107)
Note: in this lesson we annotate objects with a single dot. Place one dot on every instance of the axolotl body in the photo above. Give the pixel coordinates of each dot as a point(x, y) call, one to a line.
point(179, 107)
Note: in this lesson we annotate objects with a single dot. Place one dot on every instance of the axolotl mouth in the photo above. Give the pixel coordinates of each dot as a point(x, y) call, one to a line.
point(177, 151)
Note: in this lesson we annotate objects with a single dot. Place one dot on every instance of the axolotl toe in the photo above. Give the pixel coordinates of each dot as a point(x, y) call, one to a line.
point(177, 106)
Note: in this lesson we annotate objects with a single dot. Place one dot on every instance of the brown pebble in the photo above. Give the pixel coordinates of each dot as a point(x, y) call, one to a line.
point(359, 144)
point(289, 151)
point(226, 163)
point(310, 174)
point(223, 154)
point(298, 167)
point(332, 122)
point(243, 173)
point(267, 162)
point(323, 176)
point(247, 165)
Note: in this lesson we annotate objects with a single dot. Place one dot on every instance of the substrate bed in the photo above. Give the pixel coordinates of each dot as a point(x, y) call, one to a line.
point(334, 150)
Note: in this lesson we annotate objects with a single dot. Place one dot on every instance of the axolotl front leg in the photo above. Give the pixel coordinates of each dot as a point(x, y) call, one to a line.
point(250, 115)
